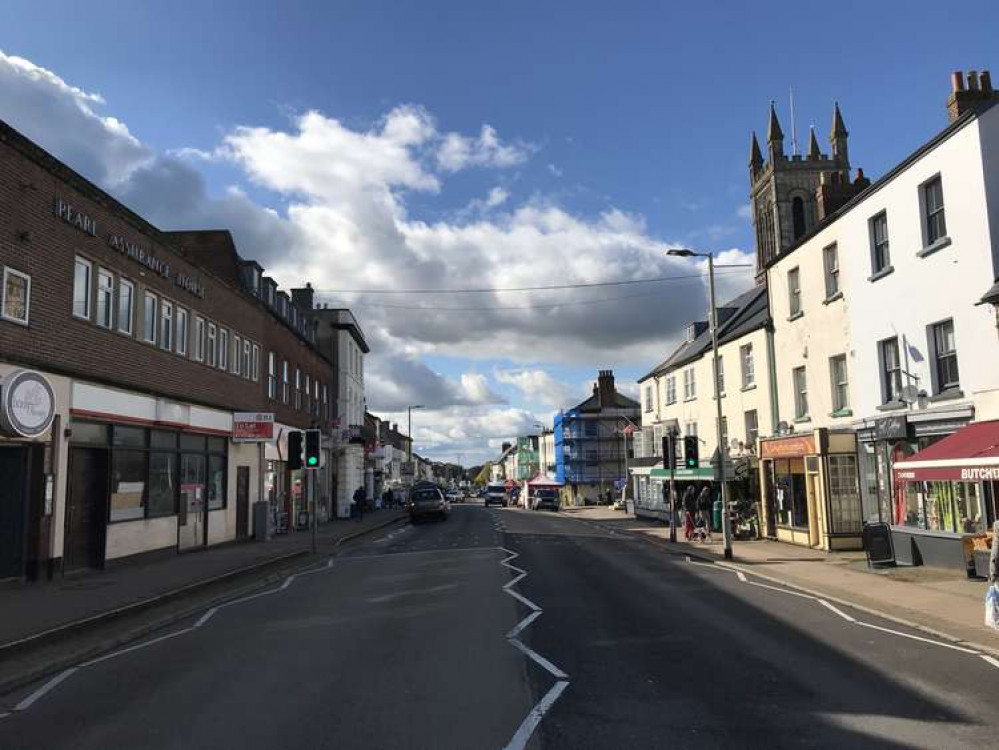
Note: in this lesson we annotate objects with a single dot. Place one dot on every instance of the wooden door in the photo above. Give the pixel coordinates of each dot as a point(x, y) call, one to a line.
point(86, 509)
point(242, 502)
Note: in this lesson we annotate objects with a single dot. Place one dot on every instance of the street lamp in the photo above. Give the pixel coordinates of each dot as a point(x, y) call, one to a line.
point(683, 252)
point(409, 416)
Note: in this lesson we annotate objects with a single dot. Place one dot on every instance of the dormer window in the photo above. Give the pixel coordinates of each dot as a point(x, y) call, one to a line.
point(691, 332)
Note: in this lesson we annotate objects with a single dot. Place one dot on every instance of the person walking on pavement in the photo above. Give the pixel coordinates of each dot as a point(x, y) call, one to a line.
point(689, 509)
point(704, 510)
point(359, 502)
point(388, 500)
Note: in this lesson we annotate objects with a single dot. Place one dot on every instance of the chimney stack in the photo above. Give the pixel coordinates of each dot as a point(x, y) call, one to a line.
point(303, 297)
point(605, 388)
point(976, 94)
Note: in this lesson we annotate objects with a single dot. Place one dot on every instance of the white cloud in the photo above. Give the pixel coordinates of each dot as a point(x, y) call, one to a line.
point(554, 170)
point(537, 387)
point(345, 223)
point(459, 152)
point(745, 211)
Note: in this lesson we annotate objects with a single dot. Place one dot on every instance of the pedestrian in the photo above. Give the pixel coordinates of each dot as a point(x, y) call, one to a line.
point(689, 509)
point(359, 502)
point(387, 498)
point(704, 509)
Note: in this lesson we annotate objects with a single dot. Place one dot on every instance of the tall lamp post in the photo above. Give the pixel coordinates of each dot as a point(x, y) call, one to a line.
point(726, 521)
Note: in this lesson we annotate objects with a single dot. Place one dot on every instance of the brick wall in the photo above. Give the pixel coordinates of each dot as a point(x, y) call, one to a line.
point(34, 240)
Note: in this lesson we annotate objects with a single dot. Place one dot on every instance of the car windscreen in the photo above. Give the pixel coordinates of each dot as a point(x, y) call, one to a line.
point(424, 496)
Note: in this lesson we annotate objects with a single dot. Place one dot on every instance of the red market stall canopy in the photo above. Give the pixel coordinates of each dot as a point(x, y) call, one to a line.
point(969, 455)
point(543, 481)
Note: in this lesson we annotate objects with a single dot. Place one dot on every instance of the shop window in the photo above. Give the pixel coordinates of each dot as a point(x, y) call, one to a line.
point(132, 437)
point(105, 299)
point(945, 357)
point(162, 483)
point(16, 296)
point(128, 485)
point(149, 318)
point(216, 482)
point(846, 515)
point(126, 305)
point(192, 442)
point(89, 433)
point(216, 445)
point(163, 439)
point(81, 288)
point(791, 497)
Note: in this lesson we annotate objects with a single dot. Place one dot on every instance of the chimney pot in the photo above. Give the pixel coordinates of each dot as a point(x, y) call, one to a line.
point(957, 81)
point(985, 81)
point(972, 80)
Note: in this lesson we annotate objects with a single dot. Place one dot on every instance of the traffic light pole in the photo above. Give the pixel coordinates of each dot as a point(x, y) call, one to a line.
point(725, 520)
point(310, 483)
point(672, 487)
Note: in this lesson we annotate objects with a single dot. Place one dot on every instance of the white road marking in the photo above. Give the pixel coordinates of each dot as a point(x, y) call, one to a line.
point(837, 610)
point(531, 721)
point(355, 558)
point(962, 649)
point(206, 617)
point(26, 702)
point(539, 660)
point(523, 599)
point(136, 647)
point(519, 627)
point(4, 714)
point(994, 662)
point(783, 591)
point(742, 576)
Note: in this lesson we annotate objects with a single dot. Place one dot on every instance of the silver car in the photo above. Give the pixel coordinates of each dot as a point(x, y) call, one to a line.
point(427, 500)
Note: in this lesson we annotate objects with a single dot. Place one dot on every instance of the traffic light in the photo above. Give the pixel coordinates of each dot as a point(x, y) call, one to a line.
point(313, 442)
point(690, 459)
point(294, 450)
point(669, 452)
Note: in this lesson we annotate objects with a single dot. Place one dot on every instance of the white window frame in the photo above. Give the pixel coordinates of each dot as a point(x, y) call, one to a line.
point(670, 389)
point(125, 322)
point(88, 300)
point(648, 399)
point(315, 397)
point(223, 358)
point(237, 354)
point(285, 382)
point(298, 388)
point(256, 363)
point(105, 298)
point(7, 272)
point(836, 385)
point(689, 384)
point(166, 324)
point(272, 376)
point(247, 359)
point(199, 339)
point(794, 292)
point(748, 365)
point(183, 314)
point(800, 392)
point(154, 316)
point(326, 402)
point(831, 269)
point(211, 342)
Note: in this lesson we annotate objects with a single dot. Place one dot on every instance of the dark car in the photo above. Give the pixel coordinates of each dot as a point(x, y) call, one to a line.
point(427, 500)
point(546, 499)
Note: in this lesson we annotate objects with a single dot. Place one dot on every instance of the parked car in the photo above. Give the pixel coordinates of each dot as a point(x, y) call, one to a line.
point(454, 496)
point(495, 494)
point(427, 500)
point(546, 499)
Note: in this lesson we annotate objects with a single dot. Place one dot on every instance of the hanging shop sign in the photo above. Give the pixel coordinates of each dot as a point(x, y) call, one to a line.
point(27, 404)
point(252, 427)
point(789, 447)
point(891, 428)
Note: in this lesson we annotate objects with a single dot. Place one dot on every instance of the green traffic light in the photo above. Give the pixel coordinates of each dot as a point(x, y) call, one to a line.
point(313, 460)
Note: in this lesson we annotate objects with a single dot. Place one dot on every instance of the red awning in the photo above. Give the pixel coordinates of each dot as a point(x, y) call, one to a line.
point(969, 455)
point(540, 480)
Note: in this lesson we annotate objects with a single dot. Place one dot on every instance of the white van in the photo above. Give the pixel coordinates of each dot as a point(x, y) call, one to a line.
point(496, 494)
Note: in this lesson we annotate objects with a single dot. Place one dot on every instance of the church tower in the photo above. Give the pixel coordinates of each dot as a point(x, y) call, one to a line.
point(783, 188)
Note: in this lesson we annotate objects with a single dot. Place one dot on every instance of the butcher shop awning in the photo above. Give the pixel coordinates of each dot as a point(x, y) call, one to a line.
point(969, 455)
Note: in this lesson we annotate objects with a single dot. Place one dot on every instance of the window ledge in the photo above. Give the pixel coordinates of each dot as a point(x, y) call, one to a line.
point(939, 244)
point(842, 413)
point(882, 273)
point(802, 420)
point(750, 387)
point(15, 321)
point(892, 406)
point(795, 316)
point(948, 395)
point(832, 298)
point(688, 400)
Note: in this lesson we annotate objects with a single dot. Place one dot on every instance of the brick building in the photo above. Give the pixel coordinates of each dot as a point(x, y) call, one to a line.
point(124, 352)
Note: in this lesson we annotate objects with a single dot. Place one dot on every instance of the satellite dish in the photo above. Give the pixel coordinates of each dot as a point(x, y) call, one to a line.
point(782, 427)
point(910, 394)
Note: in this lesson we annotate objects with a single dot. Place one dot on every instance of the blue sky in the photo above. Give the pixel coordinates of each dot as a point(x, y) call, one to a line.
point(629, 121)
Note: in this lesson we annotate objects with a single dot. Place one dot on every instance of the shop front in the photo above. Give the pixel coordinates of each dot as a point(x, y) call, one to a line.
point(810, 490)
point(944, 502)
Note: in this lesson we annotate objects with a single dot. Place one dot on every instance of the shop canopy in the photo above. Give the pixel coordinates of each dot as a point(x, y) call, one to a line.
point(969, 455)
point(541, 480)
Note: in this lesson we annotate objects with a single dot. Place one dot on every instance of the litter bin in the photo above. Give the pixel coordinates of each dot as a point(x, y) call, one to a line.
point(716, 515)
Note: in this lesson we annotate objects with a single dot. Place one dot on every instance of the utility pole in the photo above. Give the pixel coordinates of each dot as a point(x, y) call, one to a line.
point(671, 461)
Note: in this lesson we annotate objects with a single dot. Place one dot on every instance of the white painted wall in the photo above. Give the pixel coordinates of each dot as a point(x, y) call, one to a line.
point(923, 291)
point(132, 537)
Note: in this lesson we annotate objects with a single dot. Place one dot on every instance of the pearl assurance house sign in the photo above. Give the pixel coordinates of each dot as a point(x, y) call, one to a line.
point(27, 404)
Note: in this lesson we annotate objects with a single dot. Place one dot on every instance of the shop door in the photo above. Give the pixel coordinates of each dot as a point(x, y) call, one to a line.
point(192, 521)
point(13, 508)
point(242, 502)
point(86, 509)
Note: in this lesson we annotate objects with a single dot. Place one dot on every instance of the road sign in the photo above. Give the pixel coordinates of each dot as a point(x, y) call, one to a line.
point(407, 468)
point(252, 427)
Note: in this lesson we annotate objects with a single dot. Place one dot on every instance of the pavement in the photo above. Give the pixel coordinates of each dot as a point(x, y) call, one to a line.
point(505, 628)
point(40, 607)
point(942, 602)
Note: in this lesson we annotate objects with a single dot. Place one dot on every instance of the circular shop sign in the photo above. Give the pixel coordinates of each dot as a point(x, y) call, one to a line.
point(27, 404)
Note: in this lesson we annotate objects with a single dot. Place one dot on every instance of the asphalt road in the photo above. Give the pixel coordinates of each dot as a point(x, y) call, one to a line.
point(418, 639)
